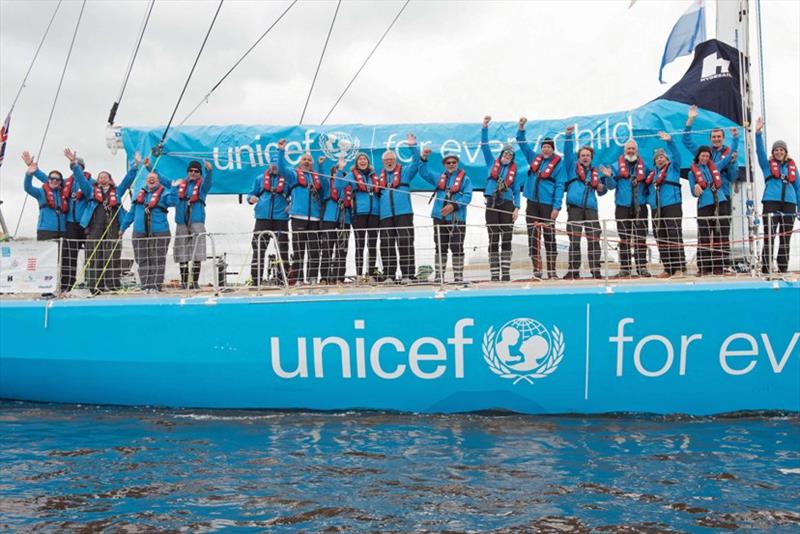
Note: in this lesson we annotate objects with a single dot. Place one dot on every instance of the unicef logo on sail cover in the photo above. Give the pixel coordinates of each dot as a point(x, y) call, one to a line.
point(335, 144)
point(523, 349)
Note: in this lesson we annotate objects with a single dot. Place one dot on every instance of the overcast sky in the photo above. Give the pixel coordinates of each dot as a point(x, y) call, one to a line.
point(444, 61)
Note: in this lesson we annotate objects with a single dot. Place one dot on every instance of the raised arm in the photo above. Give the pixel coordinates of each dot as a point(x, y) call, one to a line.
point(688, 142)
point(487, 153)
point(424, 172)
point(729, 159)
point(569, 150)
point(530, 155)
point(411, 170)
point(208, 181)
point(283, 165)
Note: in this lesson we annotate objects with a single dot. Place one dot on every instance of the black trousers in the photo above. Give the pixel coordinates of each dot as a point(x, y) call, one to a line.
point(366, 230)
point(669, 238)
point(150, 254)
point(103, 252)
point(778, 221)
point(305, 246)
point(74, 241)
point(47, 235)
point(397, 246)
point(539, 223)
point(583, 222)
point(500, 228)
point(335, 242)
point(632, 230)
point(260, 243)
point(712, 234)
point(449, 236)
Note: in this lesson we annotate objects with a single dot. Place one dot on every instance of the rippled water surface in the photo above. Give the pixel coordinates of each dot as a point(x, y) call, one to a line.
point(90, 469)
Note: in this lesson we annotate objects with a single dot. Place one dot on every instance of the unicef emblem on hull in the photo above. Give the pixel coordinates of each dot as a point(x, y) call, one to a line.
point(334, 144)
point(523, 349)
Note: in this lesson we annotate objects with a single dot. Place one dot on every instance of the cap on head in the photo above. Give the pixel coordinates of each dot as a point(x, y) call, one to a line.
point(449, 156)
point(194, 165)
point(780, 144)
point(549, 141)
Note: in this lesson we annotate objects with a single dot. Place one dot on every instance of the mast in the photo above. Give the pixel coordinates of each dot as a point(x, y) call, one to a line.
point(733, 28)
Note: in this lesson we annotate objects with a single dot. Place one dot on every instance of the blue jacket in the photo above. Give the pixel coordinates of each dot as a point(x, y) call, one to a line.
point(76, 206)
point(51, 220)
point(199, 207)
point(489, 191)
point(366, 202)
point(394, 202)
point(271, 206)
point(669, 193)
point(87, 186)
point(775, 189)
point(442, 197)
point(549, 191)
point(159, 223)
point(578, 193)
point(707, 198)
point(623, 192)
point(727, 166)
point(335, 211)
point(306, 202)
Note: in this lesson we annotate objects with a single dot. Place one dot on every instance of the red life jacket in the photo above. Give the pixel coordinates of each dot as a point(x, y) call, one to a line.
point(153, 199)
point(112, 195)
point(623, 169)
point(195, 193)
point(456, 187)
point(512, 172)
point(362, 183)
point(701, 181)
point(548, 171)
point(662, 175)
point(50, 198)
point(67, 187)
point(268, 183)
point(396, 174)
point(348, 194)
point(301, 179)
point(775, 170)
point(595, 179)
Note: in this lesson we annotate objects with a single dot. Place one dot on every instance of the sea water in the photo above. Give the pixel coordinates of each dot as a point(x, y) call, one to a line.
point(121, 469)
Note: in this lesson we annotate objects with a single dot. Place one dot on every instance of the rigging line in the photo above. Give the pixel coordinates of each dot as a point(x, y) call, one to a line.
point(319, 64)
point(365, 62)
point(183, 91)
point(205, 98)
point(112, 114)
point(53, 108)
point(30, 67)
point(761, 66)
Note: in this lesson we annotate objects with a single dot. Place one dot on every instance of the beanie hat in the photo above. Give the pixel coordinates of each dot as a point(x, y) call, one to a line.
point(779, 144)
point(194, 165)
point(660, 152)
point(508, 148)
point(549, 141)
point(450, 155)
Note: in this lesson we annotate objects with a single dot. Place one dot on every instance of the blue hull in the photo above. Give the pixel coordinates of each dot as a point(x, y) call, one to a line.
point(696, 348)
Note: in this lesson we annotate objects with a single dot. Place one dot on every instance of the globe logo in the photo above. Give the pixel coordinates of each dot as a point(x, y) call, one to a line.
point(523, 349)
point(335, 144)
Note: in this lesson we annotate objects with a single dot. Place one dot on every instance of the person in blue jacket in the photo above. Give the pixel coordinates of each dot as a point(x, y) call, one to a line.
point(335, 225)
point(74, 235)
point(543, 190)
point(713, 226)
point(151, 235)
point(584, 185)
point(627, 177)
point(366, 215)
point(724, 157)
point(101, 220)
point(664, 197)
point(270, 198)
point(502, 196)
point(307, 190)
point(452, 193)
point(190, 221)
point(780, 199)
point(53, 209)
point(397, 214)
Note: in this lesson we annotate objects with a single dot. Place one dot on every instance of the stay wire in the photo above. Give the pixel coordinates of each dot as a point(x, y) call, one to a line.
point(214, 88)
point(365, 62)
point(30, 67)
point(53, 108)
point(319, 64)
point(112, 114)
point(196, 59)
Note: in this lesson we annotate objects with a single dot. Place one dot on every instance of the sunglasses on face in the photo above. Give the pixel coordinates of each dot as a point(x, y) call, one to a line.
point(451, 162)
point(57, 178)
point(194, 171)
